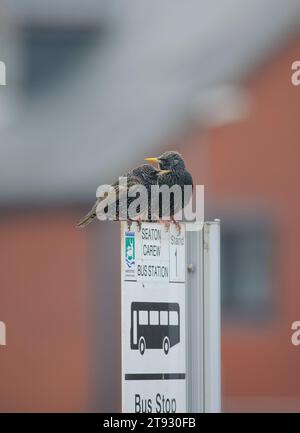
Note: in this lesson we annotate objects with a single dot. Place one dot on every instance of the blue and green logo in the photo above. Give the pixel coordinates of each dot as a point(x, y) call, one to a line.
point(130, 249)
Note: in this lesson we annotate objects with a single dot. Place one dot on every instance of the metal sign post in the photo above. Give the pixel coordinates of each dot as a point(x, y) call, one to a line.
point(170, 318)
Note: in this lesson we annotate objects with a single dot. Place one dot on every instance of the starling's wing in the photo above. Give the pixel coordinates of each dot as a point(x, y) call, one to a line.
point(127, 202)
point(91, 215)
point(187, 192)
point(111, 199)
point(133, 202)
point(137, 203)
point(108, 206)
point(178, 199)
point(186, 183)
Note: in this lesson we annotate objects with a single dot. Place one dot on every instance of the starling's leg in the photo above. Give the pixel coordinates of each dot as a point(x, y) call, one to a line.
point(129, 224)
point(139, 223)
point(177, 225)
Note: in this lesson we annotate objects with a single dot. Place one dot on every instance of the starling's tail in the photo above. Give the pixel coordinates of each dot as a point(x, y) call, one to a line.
point(86, 220)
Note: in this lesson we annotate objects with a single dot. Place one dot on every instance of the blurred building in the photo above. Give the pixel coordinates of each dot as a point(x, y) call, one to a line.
point(252, 183)
point(92, 89)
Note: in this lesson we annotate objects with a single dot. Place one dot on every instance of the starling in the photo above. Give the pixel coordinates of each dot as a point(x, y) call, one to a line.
point(174, 172)
point(145, 175)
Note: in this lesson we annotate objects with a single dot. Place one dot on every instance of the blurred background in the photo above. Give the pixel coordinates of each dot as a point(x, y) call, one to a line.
point(92, 88)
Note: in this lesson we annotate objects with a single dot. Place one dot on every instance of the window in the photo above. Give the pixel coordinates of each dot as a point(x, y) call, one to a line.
point(143, 317)
point(246, 268)
point(154, 317)
point(50, 52)
point(173, 318)
point(163, 317)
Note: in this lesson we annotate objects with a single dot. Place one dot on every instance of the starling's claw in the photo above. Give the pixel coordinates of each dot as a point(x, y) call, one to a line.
point(177, 225)
point(167, 225)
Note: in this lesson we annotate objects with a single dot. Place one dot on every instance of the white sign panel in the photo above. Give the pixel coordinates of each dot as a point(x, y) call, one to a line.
point(153, 319)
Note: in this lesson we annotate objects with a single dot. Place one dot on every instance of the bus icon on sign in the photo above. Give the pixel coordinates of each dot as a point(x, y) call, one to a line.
point(154, 325)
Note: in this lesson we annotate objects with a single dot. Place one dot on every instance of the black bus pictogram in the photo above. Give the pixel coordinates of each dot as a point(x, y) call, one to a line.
point(154, 325)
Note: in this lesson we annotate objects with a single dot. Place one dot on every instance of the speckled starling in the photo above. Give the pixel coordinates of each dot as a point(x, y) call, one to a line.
point(145, 175)
point(174, 173)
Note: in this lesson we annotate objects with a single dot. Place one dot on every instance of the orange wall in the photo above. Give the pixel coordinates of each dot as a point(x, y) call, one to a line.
point(44, 366)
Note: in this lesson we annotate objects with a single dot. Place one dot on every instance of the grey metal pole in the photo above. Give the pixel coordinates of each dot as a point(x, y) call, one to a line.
point(212, 317)
point(203, 313)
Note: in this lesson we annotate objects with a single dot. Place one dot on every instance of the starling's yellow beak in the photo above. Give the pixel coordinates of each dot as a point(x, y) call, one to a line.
point(152, 159)
point(164, 171)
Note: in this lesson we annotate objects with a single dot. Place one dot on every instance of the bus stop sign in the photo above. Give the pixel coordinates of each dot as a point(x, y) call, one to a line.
point(162, 351)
